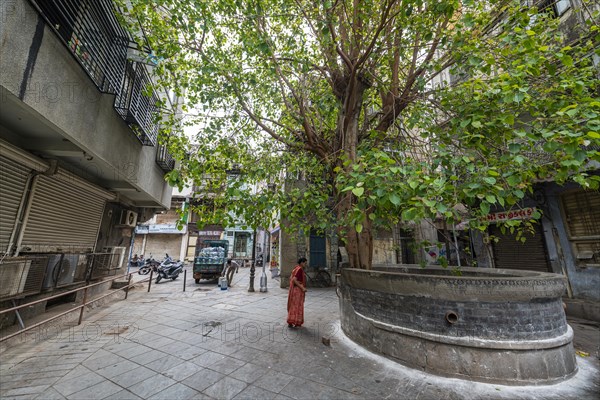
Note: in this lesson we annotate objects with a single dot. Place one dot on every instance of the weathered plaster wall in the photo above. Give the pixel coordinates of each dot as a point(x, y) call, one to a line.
point(584, 282)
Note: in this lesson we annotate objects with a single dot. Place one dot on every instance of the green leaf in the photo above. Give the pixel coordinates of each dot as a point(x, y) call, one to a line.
point(429, 202)
point(409, 214)
point(358, 191)
point(518, 97)
point(572, 112)
point(567, 60)
point(513, 180)
point(394, 199)
point(593, 135)
point(359, 228)
point(509, 119)
point(485, 207)
point(514, 147)
point(580, 155)
point(476, 124)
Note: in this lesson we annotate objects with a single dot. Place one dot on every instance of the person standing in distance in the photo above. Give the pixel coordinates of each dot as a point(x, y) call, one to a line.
point(296, 295)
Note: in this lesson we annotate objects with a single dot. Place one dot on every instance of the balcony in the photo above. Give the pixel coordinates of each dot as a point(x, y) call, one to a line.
point(164, 159)
point(136, 103)
point(90, 30)
point(93, 35)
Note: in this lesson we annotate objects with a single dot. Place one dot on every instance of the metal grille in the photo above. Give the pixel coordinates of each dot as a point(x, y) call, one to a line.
point(35, 278)
point(101, 265)
point(582, 217)
point(582, 211)
point(164, 160)
point(92, 33)
point(13, 274)
point(136, 102)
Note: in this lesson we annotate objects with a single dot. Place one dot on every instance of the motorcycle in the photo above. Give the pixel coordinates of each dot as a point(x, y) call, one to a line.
point(150, 264)
point(169, 269)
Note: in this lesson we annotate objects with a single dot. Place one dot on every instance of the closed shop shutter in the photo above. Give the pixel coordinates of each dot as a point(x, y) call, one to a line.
point(510, 253)
point(13, 178)
point(581, 210)
point(65, 215)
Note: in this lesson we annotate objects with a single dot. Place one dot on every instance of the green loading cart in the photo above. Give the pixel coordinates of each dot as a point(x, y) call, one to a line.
point(210, 260)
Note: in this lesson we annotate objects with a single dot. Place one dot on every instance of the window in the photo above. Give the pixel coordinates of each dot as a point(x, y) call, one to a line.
point(581, 210)
point(555, 7)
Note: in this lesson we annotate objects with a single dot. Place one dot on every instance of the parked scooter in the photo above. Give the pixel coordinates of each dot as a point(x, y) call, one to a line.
point(150, 264)
point(168, 269)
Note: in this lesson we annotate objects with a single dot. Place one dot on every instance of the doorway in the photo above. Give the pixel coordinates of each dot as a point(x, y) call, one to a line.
point(317, 254)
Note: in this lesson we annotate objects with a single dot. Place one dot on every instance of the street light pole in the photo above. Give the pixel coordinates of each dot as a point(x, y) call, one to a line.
point(252, 268)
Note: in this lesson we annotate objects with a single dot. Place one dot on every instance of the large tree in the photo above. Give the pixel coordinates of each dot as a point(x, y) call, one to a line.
point(346, 94)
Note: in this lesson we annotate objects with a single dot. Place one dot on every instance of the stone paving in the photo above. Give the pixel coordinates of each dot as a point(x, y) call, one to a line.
point(205, 343)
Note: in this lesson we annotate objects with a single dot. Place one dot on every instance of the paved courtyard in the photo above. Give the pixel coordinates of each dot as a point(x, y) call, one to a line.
point(205, 343)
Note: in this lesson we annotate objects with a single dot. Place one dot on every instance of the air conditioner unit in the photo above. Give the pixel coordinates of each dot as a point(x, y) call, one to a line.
point(13, 275)
point(128, 218)
point(117, 256)
point(60, 270)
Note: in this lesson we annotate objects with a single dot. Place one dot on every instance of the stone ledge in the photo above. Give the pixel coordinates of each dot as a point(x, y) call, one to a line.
point(467, 341)
point(515, 367)
point(492, 326)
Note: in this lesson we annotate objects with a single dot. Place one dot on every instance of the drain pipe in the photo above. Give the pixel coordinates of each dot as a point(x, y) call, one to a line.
point(21, 225)
point(451, 317)
point(19, 222)
point(130, 249)
point(456, 245)
point(52, 168)
point(561, 261)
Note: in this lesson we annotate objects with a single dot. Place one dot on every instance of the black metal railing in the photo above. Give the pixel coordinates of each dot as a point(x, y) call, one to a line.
point(164, 159)
point(93, 35)
point(136, 102)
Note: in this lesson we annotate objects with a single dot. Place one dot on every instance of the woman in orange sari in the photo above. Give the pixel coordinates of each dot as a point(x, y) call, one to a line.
point(296, 295)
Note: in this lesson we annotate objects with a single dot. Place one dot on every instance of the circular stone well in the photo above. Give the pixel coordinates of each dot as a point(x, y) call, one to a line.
point(489, 325)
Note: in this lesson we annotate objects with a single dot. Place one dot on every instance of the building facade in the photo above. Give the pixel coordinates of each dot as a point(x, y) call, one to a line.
point(566, 240)
point(80, 162)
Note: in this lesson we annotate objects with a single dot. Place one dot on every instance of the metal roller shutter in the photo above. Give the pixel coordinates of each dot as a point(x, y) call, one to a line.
point(13, 178)
point(510, 253)
point(64, 216)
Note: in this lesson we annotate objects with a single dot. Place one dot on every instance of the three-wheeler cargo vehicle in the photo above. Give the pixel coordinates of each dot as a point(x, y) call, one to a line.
point(210, 260)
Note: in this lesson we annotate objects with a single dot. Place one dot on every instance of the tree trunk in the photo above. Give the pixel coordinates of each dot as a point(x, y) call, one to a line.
point(358, 244)
point(360, 248)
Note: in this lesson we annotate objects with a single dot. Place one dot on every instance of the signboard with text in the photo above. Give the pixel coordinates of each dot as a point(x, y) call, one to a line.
point(159, 228)
point(523, 213)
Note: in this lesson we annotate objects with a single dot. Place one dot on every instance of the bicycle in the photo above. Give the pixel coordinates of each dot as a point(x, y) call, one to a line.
point(321, 278)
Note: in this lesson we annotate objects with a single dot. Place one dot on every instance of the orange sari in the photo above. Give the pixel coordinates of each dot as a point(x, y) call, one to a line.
point(296, 296)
